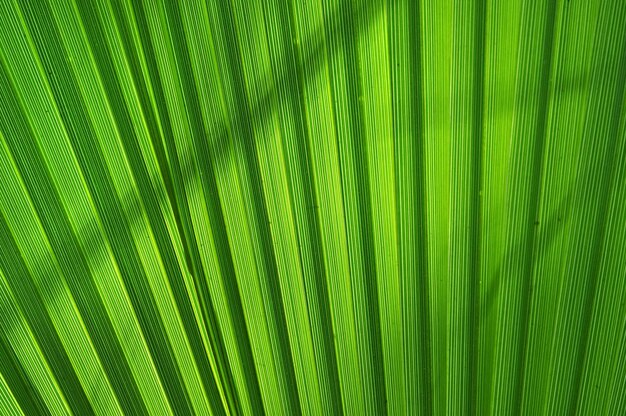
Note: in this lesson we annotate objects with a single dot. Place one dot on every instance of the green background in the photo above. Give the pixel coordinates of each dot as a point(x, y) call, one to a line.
point(312, 207)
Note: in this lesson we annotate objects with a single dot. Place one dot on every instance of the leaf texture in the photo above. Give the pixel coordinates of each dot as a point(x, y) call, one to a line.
point(332, 207)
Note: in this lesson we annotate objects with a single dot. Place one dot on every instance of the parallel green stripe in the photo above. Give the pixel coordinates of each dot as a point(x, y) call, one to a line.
point(436, 18)
point(63, 261)
point(595, 176)
point(74, 267)
point(527, 153)
point(348, 88)
point(23, 364)
point(410, 170)
point(465, 204)
point(604, 331)
point(35, 315)
point(311, 35)
point(575, 35)
point(501, 52)
point(109, 207)
point(322, 207)
point(287, 62)
point(8, 403)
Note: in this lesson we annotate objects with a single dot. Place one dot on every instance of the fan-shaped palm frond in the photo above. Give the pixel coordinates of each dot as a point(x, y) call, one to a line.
point(312, 207)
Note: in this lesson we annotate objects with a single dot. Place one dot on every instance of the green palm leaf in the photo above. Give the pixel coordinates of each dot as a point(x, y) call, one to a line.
point(312, 207)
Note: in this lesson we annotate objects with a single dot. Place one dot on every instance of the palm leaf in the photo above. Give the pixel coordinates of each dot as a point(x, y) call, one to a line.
point(321, 207)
